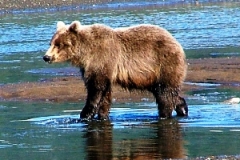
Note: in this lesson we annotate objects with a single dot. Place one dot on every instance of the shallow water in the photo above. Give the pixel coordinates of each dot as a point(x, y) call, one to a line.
point(32, 130)
point(54, 131)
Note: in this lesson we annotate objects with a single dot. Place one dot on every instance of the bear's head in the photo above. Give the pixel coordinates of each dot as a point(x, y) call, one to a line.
point(62, 45)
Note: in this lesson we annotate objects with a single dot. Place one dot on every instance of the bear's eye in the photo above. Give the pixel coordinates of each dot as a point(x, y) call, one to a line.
point(58, 45)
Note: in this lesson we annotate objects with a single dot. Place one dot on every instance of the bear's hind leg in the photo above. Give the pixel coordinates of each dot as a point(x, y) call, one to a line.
point(165, 98)
point(105, 104)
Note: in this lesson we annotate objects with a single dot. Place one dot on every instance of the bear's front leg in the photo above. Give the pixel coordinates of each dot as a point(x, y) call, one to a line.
point(91, 106)
point(98, 98)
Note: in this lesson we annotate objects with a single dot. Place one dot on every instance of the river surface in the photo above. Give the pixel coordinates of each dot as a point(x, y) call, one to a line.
point(34, 130)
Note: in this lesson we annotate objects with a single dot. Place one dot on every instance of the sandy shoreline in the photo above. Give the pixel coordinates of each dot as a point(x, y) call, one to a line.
point(32, 6)
point(224, 71)
point(8, 5)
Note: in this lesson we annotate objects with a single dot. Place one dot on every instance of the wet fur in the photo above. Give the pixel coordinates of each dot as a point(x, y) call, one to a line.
point(144, 57)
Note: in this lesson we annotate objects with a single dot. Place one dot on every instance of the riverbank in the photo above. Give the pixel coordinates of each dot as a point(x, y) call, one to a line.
point(29, 6)
point(10, 5)
point(224, 71)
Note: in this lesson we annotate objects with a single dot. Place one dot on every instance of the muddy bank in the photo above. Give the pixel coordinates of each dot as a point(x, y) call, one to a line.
point(26, 6)
point(10, 5)
point(224, 71)
point(214, 70)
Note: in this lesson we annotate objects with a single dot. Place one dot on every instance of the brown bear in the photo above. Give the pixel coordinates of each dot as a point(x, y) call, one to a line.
point(144, 57)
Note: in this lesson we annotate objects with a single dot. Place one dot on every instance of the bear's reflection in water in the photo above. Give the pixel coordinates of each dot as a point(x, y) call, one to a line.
point(157, 140)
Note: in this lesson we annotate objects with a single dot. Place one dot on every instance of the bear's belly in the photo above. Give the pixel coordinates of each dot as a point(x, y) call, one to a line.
point(137, 82)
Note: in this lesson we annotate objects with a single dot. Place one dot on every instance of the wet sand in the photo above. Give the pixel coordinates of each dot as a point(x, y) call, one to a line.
point(224, 71)
point(9, 5)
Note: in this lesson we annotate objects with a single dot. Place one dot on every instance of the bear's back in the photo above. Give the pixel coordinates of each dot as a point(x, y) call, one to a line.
point(144, 32)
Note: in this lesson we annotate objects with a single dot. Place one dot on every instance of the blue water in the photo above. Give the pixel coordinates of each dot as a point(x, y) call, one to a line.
point(43, 130)
point(25, 37)
point(47, 130)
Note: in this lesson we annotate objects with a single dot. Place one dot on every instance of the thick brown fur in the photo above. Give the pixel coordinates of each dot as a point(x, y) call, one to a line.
point(144, 57)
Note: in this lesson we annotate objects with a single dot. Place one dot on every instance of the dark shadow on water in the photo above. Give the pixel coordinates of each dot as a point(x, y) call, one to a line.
point(158, 140)
point(138, 133)
point(99, 140)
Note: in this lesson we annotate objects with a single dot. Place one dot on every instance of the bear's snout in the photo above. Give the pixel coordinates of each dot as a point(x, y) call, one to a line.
point(47, 58)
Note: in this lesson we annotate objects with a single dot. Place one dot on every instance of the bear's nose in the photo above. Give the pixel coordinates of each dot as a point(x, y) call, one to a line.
point(47, 58)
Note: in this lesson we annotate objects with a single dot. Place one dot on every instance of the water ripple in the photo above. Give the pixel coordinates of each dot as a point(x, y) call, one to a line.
point(217, 115)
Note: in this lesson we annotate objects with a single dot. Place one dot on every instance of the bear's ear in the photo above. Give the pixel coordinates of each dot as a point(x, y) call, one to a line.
point(60, 25)
point(75, 26)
